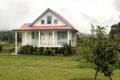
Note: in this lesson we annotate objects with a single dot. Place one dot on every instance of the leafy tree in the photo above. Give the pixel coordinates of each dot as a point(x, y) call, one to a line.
point(115, 29)
point(7, 36)
point(100, 51)
point(19, 37)
point(1, 47)
point(115, 33)
point(78, 38)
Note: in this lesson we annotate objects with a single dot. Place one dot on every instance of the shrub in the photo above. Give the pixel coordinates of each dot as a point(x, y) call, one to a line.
point(35, 51)
point(57, 51)
point(30, 50)
point(26, 50)
point(52, 52)
point(67, 50)
point(41, 50)
point(65, 53)
point(45, 52)
point(49, 51)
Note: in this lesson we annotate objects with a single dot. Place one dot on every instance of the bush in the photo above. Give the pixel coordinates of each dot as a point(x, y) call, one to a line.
point(45, 52)
point(26, 50)
point(67, 50)
point(57, 51)
point(29, 50)
point(65, 53)
point(41, 50)
point(52, 52)
point(35, 51)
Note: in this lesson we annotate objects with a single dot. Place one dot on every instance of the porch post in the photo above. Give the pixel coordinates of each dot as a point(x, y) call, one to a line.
point(25, 38)
point(16, 42)
point(39, 39)
point(68, 37)
point(53, 38)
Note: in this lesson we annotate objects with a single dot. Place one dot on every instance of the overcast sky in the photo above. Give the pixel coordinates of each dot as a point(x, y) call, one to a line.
point(80, 13)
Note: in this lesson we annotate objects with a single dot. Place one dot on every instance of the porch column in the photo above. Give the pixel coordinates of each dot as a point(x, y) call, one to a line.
point(53, 38)
point(25, 38)
point(16, 42)
point(39, 39)
point(68, 37)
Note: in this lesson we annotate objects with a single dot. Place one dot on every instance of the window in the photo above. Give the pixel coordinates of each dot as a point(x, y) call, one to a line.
point(62, 35)
point(55, 21)
point(34, 34)
point(42, 21)
point(49, 19)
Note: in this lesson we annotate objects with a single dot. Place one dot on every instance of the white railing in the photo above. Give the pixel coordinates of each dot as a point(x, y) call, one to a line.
point(58, 43)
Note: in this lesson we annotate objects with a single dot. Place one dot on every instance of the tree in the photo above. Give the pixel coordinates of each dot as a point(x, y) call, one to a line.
point(1, 47)
point(115, 29)
point(7, 36)
point(115, 33)
point(100, 51)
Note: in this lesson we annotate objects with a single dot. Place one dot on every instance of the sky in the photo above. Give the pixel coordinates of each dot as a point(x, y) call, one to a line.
point(80, 13)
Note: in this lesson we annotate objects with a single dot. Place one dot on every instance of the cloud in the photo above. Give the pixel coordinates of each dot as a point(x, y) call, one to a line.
point(101, 20)
point(12, 13)
point(116, 4)
point(81, 13)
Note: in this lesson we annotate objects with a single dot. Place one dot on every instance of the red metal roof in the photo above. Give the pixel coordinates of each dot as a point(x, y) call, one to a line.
point(27, 26)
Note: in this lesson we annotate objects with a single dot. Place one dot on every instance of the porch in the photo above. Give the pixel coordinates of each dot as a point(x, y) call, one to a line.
point(44, 38)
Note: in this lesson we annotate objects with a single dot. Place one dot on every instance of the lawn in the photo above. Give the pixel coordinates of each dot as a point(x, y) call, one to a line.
point(22, 67)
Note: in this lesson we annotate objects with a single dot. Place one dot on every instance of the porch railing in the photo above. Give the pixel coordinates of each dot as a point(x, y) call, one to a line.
point(58, 43)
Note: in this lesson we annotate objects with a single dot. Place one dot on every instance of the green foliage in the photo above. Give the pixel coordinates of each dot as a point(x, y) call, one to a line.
point(1, 48)
point(78, 38)
point(115, 33)
point(45, 52)
point(29, 50)
point(100, 50)
point(84, 48)
point(115, 30)
point(26, 50)
point(67, 50)
point(52, 52)
point(7, 36)
point(65, 53)
point(36, 51)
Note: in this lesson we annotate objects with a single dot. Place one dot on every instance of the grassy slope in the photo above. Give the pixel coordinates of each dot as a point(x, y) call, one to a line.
point(46, 68)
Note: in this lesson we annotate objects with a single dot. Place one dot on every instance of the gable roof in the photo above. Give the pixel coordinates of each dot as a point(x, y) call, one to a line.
point(29, 26)
point(58, 15)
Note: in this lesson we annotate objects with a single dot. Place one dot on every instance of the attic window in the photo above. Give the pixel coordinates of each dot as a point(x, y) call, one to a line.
point(55, 21)
point(42, 21)
point(49, 19)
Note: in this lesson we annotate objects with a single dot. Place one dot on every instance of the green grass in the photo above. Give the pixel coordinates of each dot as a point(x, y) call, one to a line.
point(22, 67)
point(37, 61)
